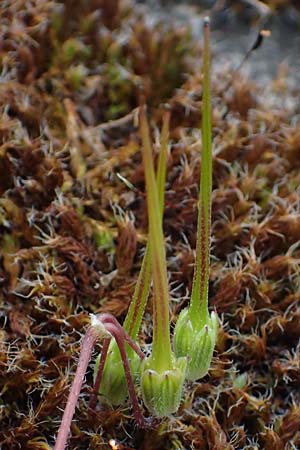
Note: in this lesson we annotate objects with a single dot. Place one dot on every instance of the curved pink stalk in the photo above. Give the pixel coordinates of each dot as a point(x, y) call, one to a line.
point(114, 330)
point(103, 326)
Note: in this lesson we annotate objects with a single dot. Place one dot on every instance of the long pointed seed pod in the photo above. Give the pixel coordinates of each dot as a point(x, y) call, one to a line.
point(110, 380)
point(162, 375)
point(196, 331)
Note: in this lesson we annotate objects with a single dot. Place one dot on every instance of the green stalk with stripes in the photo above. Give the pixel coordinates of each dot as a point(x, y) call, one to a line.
point(195, 332)
point(162, 374)
point(113, 383)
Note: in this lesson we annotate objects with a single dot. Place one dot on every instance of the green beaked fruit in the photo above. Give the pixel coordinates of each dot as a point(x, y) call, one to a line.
point(197, 345)
point(113, 384)
point(162, 391)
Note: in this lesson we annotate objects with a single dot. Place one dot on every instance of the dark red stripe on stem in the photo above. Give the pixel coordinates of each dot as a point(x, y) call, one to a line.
point(98, 379)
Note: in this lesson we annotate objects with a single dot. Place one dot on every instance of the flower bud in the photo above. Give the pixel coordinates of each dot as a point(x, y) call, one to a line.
point(197, 345)
point(162, 390)
point(113, 384)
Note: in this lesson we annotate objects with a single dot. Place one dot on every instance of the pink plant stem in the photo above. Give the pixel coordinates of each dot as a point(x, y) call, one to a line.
point(98, 379)
point(111, 328)
point(108, 318)
point(86, 350)
point(105, 325)
point(133, 345)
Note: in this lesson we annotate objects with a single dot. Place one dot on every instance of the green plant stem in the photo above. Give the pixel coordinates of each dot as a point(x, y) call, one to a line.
point(161, 350)
point(138, 303)
point(162, 161)
point(137, 306)
point(199, 296)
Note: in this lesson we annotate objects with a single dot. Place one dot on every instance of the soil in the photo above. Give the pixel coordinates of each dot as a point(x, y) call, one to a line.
point(73, 220)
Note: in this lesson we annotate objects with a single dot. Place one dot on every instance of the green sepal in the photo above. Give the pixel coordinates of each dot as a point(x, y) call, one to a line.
point(197, 344)
point(113, 384)
point(162, 391)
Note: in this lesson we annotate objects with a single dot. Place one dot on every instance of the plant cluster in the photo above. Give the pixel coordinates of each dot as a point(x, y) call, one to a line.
point(162, 374)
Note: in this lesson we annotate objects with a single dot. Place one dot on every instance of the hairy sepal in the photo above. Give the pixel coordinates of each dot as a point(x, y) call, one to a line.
point(196, 344)
point(162, 391)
